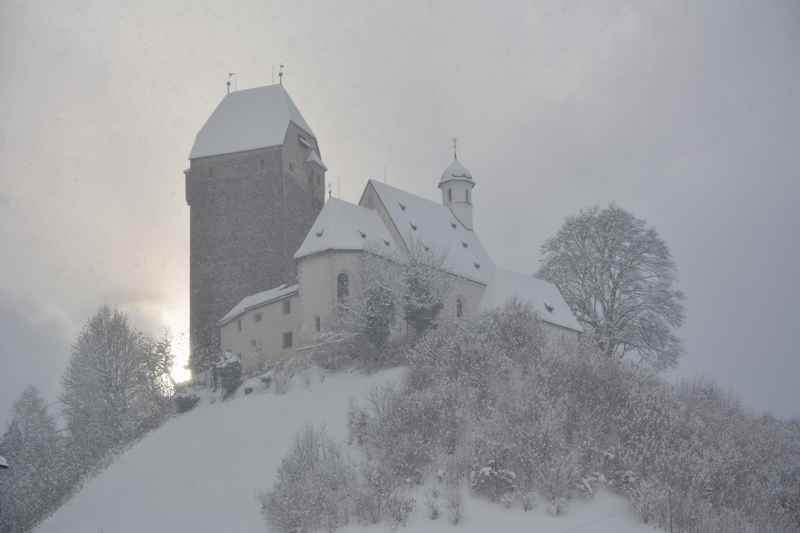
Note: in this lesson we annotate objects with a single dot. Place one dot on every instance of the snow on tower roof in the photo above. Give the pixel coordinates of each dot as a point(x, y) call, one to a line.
point(432, 224)
point(258, 299)
point(246, 120)
point(544, 297)
point(455, 171)
point(314, 158)
point(345, 226)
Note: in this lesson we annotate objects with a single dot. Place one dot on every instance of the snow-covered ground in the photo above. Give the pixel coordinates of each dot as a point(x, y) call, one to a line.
point(202, 471)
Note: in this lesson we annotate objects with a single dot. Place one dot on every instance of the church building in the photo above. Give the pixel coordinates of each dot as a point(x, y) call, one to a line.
point(270, 263)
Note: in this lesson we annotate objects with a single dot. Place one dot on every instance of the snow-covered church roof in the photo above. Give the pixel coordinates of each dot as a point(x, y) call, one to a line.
point(246, 120)
point(423, 221)
point(348, 227)
point(544, 297)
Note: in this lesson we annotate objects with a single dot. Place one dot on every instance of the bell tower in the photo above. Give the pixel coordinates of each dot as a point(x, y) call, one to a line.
point(456, 185)
point(255, 184)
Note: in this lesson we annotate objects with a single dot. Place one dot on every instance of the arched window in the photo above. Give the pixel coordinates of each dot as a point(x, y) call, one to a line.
point(467, 195)
point(342, 286)
point(449, 194)
point(459, 308)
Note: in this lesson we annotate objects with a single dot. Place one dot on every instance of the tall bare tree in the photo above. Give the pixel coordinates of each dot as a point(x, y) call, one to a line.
point(618, 277)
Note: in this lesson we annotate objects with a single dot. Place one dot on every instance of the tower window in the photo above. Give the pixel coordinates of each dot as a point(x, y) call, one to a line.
point(317, 323)
point(287, 307)
point(239, 325)
point(449, 195)
point(342, 286)
point(459, 308)
point(467, 195)
point(287, 340)
point(261, 163)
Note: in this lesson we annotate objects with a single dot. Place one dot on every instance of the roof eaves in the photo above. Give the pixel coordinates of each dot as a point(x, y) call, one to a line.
point(227, 320)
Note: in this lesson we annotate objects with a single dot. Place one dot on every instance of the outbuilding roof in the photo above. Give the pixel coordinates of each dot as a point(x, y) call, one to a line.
point(257, 300)
point(543, 297)
point(246, 120)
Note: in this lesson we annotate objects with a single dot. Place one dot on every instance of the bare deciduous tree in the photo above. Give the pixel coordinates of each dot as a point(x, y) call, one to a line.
point(618, 277)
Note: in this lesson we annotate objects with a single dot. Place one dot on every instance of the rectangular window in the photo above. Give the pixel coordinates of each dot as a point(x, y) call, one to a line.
point(287, 340)
point(287, 307)
point(239, 325)
point(317, 323)
point(253, 343)
point(257, 317)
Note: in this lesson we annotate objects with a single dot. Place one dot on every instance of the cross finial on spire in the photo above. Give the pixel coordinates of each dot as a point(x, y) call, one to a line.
point(455, 147)
point(280, 75)
point(228, 83)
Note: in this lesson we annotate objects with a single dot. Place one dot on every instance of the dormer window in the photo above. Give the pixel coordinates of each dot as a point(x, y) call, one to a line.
point(320, 232)
point(464, 244)
point(453, 225)
point(549, 307)
point(402, 206)
point(363, 235)
point(413, 226)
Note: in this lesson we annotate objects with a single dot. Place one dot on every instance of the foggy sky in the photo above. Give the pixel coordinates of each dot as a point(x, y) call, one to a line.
point(684, 113)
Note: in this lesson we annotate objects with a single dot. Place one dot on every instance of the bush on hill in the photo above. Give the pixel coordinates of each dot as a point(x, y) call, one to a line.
point(485, 403)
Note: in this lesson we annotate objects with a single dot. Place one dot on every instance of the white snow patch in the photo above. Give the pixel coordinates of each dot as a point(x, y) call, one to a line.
point(202, 471)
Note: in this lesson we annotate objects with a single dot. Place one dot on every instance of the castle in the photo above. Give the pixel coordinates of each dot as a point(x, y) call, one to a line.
point(270, 259)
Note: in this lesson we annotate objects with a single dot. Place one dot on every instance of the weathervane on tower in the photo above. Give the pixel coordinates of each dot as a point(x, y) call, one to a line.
point(280, 75)
point(228, 83)
point(455, 147)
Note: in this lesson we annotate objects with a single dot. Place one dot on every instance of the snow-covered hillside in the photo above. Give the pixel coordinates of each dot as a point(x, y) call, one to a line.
point(202, 471)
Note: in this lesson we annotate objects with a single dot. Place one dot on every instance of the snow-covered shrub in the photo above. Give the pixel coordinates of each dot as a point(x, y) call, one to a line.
point(227, 374)
point(340, 350)
point(185, 401)
point(314, 486)
point(455, 510)
point(432, 503)
point(492, 481)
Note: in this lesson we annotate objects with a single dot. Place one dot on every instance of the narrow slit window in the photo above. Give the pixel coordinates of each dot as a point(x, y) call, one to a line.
point(342, 286)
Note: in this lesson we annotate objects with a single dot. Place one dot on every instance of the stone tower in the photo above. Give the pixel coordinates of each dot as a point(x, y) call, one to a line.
point(254, 185)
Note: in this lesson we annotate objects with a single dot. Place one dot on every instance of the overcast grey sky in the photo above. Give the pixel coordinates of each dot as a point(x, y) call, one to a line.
point(685, 113)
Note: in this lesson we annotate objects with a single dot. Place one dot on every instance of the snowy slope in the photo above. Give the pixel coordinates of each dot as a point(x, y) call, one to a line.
point(202, 470)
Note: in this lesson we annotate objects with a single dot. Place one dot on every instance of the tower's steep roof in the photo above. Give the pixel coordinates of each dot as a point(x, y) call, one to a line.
point(246, 120)
point(456, 171)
